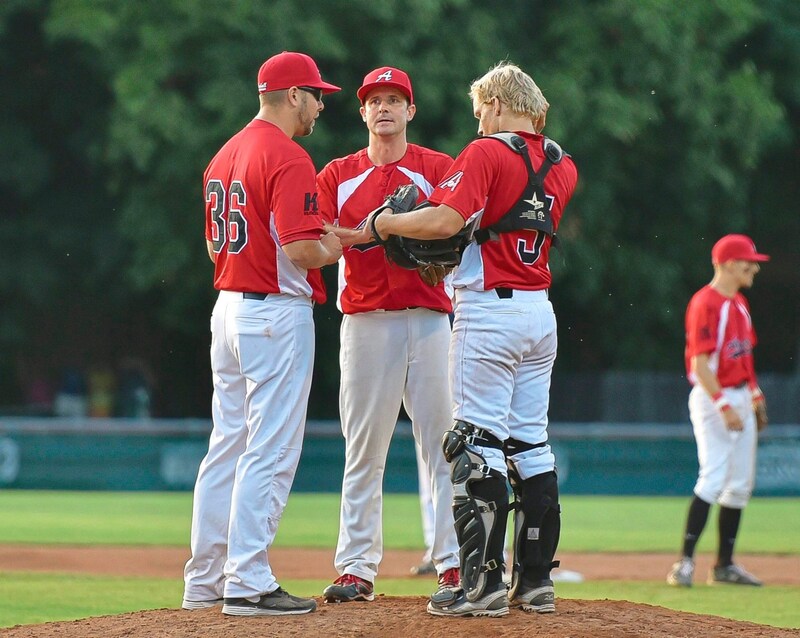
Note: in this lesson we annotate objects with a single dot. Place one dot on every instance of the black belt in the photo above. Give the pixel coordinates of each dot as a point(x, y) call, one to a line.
point(508, 293)
point(738, 387)
point(258, 296)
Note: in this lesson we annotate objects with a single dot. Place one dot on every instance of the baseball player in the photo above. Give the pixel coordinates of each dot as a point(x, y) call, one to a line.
point(513, 188)
point(394, 339)
point(726, 407)
point(265, 236)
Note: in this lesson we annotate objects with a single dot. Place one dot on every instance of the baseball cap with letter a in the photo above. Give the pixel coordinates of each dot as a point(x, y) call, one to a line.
point(736, 247)
point(288, 69)
point(386, 76)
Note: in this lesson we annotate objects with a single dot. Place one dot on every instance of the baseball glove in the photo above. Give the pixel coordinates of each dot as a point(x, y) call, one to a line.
point(415, 253)
point(402, 200)
point(760, 409)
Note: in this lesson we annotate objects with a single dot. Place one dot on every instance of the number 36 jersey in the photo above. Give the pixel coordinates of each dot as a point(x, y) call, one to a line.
point(485, 181)
point(260, 193)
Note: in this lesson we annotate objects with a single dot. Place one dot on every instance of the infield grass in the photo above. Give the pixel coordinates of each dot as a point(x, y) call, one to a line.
point(590, 523)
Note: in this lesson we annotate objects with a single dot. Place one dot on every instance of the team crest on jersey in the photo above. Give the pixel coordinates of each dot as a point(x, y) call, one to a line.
point(737, 348)
point(452, 181)
point(385, 76)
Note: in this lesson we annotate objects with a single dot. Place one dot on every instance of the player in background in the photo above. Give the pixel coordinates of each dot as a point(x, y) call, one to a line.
point(726, 407)
point(265, 236)
point(503, 345)
point(394, 339)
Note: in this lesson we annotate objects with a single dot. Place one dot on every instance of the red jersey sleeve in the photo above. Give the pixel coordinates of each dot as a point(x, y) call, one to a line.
point(295, 203)
point(702, 322)
point(465, 186)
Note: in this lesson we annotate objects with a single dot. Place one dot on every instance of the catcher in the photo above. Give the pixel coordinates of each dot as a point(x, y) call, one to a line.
point(506, 191)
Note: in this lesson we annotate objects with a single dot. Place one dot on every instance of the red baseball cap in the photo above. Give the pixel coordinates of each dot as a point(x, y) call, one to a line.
point(386, 76)
point(289, 69)
point(735, 247)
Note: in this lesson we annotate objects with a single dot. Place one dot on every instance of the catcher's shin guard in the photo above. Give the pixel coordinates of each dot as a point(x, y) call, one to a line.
point(537, 527)
point(480, 510)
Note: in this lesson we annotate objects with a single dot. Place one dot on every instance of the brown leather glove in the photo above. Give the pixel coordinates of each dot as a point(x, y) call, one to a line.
point(760, 409)
point(433, 274)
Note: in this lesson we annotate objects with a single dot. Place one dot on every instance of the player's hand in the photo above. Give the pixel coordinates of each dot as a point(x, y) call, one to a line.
point(331, 242)
point(732, 420)
point(349, 236)
point(760, 409)
point(432, 274)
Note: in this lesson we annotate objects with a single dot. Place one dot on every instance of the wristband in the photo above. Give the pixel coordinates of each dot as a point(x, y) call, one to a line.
point(756, 394)
point(720, 402)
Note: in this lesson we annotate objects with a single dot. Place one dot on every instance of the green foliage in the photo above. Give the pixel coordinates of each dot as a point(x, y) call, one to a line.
point(682, 118)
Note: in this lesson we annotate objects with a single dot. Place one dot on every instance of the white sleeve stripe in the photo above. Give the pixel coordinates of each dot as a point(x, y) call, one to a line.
point(423, 184)
point(348, 187)
point(713, 361)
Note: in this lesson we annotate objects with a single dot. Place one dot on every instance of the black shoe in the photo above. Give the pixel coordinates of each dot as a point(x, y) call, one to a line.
point(539, 597)
point(453, 602)
point(276, 603)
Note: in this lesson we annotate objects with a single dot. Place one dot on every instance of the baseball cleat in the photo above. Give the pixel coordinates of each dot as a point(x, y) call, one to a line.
point(453, 602)
point(192, 605)
point(732, 575)
point(681, 573)
point(450, 579)
point(423, 569)
point(348, 588)
point(276, 603)
point(539, 597)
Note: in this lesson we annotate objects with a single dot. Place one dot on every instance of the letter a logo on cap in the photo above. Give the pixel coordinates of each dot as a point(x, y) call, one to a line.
point(386, 77)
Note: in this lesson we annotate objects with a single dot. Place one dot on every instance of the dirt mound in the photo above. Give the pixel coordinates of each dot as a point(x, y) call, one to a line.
point(390, 616)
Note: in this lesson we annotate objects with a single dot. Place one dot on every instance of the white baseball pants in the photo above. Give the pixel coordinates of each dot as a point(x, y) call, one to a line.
point(501, 361)
point(727, 458)
point(389, 357)
point(262, 354)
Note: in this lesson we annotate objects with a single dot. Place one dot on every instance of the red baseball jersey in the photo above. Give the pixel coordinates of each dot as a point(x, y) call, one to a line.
point(260, 193)
point(721, 327)
point(349, 189)
point(485, 181)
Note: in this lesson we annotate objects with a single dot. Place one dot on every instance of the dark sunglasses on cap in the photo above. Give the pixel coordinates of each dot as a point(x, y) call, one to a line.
point(317, 93)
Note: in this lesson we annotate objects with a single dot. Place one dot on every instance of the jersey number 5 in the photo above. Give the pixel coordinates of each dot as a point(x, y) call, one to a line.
point(228, 223)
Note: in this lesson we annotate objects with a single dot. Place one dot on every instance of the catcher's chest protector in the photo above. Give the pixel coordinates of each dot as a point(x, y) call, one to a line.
point(532, 211)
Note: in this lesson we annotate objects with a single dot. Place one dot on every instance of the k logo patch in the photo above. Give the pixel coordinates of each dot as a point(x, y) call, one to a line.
point(310, 206)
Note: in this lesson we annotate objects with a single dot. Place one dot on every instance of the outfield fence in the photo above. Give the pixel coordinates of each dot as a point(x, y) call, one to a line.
point(164, 454)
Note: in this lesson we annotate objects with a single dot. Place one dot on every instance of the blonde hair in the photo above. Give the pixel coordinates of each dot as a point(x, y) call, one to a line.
point(513, 87)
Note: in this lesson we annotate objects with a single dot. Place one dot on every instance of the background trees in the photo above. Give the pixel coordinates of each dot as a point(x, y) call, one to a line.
point(683, 119)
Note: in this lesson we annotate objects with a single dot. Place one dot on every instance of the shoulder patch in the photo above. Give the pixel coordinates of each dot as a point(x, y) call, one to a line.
point(452, 181)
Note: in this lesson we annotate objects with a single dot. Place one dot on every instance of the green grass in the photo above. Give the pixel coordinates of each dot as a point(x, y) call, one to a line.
point(619, 524)
point(589, 523)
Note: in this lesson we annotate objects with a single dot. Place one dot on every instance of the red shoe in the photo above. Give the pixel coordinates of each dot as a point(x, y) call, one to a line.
point(347, 588)
point(451, 579)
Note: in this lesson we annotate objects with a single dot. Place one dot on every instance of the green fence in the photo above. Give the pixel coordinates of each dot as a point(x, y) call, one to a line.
point(593, 458)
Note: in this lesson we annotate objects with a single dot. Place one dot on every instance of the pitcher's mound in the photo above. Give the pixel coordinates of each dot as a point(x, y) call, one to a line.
point(405, 617)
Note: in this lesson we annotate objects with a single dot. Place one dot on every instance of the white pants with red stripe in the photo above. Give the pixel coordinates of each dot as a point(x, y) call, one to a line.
point(727, 458)
point(501, 361)
point(388, 358)
point(262, 354)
